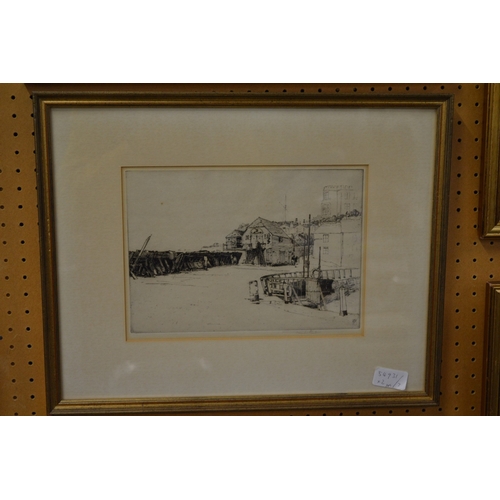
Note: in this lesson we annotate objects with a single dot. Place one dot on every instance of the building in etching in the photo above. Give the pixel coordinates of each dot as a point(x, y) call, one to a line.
point(267, 243)
point(339, 199)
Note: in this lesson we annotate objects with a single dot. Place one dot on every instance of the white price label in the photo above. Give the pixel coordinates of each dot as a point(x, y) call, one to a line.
point(394, 379)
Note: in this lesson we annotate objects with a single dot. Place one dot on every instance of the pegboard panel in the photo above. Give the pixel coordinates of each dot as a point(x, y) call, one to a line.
point(22, 385)
point(471, 262)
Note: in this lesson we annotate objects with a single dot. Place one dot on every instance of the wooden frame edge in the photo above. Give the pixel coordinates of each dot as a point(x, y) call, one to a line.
point(492, 364)
point(490, 221)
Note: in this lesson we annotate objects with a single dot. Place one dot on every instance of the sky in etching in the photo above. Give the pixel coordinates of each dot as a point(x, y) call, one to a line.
point(186, 209)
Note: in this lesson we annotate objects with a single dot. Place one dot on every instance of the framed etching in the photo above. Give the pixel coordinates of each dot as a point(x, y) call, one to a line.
point(491, 178)
point(218, 252)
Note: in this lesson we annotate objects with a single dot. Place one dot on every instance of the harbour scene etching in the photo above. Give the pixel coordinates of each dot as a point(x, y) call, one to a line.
point(244, 250)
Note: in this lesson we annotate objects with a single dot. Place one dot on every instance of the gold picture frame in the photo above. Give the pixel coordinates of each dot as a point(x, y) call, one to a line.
point(50, 189)
point(493, 349)
point(491, 177)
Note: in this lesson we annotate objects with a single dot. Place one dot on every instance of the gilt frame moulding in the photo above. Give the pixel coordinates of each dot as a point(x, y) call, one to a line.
point(87, 139)
point(491, 177)
point(492, 378)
